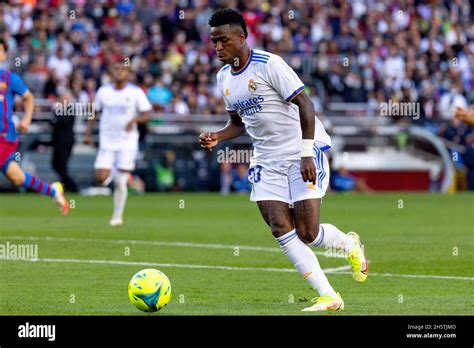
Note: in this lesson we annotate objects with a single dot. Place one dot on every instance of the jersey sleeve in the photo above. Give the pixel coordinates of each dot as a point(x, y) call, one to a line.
point(17, 84)
point(98, 100)
point(143, 104)
point(220, 87)
point(229, 107)
point(283, 79)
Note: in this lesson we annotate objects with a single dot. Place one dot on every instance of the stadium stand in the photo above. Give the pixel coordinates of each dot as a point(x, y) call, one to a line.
point(353, 56)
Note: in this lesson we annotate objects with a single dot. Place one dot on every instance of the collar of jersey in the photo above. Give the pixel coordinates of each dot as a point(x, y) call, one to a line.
point(119, 90)
point(244, 67)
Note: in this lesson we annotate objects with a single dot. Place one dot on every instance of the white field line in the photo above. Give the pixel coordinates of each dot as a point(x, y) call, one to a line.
point(161, 243)
point(175, 265)
point(336, 270)
point(340, 270)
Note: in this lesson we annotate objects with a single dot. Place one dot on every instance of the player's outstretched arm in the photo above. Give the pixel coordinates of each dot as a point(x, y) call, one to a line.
point(307, 112)
point(29, 105)
point(233, 129)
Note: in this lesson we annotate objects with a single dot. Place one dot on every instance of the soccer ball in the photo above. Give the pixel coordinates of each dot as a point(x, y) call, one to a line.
point(149, 290)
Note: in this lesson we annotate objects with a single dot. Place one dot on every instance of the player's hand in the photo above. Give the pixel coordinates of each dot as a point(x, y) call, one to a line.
point(88, 139)
point(129, 126)
point(208, 140)
point(308, 169)
point(466, 116)
point(23, 125)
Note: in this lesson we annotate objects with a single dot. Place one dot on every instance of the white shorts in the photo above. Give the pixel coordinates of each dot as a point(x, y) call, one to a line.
point(284, 182)
point(120, 159)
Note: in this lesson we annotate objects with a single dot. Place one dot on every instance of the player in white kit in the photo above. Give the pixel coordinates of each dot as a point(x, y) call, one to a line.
point(122, 106)
point(289, 171)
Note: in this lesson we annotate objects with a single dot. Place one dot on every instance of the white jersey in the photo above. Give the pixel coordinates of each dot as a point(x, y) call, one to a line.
point(261, 93)
point(118, 107)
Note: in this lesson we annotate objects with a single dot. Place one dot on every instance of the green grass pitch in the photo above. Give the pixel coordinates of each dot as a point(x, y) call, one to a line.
point(84, 265)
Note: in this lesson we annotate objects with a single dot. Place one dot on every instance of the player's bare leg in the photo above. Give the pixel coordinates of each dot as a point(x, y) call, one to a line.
point(19, 178)
point(307, 219)
point(15, 174)
point(103, 176)
point(309, 229)
point(279, 216)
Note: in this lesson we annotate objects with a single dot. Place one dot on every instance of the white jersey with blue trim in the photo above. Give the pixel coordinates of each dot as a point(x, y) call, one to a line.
point(261, 93)
point(118, 107)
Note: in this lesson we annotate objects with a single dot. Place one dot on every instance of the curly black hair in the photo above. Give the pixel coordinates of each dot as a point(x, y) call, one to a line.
point(228, 16)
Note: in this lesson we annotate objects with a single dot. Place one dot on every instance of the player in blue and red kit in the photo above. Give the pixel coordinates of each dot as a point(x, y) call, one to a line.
point(10, 85)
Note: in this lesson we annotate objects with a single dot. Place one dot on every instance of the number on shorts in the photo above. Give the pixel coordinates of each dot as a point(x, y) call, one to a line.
point(254, 174)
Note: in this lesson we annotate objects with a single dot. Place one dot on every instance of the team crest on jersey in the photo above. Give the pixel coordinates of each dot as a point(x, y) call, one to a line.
point(252, 86)
point(227, 92)
point(3, 86)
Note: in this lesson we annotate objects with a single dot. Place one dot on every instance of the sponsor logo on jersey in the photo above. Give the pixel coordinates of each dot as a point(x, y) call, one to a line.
point(249, 106)
point(117, 109)
point(252, 86)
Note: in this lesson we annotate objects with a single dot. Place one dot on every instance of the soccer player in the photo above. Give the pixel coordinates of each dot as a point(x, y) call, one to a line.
point(122, 106)
point(289, 171)
point(10, 85)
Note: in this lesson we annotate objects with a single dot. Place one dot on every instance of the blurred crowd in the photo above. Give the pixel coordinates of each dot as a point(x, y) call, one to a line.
point(369, 51)
point(352, 51)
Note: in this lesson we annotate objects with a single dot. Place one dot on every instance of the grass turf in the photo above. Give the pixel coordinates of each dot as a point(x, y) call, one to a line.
point(429, 235)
